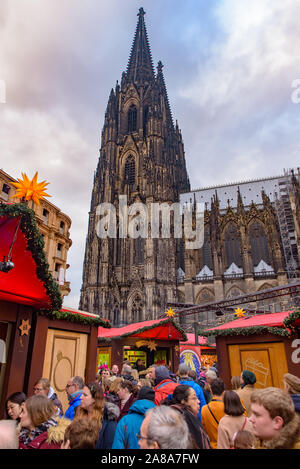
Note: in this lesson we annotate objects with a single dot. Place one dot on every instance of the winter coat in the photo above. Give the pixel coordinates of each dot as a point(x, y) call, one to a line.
point(73, 403)
point(198, 390)
point(245, 396)
point(109, 425)
point(124, 410)
point(211, 415)
point(130, 425)
point(296, 401)
point(50, 439)
point(288, 438)
point(163, 389)
point(230, 425)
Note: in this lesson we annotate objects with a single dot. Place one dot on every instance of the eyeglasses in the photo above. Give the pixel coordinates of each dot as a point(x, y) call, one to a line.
point(38, 389)
point(69, 385)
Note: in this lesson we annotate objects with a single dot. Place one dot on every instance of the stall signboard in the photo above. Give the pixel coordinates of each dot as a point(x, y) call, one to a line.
point(192, 358)
point(103, 358)
point(160, 357)
point(133, 355)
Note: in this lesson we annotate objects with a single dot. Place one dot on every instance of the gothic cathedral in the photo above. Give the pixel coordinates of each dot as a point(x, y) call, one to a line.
point(141, 157)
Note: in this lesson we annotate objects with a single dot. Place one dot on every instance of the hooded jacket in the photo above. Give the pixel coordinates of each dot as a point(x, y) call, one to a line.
point(130, 425)
point(109, 425)
point(164, 385)
point(50, 439)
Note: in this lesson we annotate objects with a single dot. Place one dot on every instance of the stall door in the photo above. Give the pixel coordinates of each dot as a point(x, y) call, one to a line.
point(267, 361)
point(65, 357)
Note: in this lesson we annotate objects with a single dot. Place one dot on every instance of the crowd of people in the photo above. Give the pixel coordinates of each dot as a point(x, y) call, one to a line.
point(139, 408)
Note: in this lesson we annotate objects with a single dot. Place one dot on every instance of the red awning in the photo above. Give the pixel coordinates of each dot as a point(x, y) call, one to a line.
point(268, 320)
point(21, 284)
point(159, 329)
point(191, 340)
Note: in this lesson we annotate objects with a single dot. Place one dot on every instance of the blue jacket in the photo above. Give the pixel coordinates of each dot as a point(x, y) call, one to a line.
point(73, 403)
point(198, 390)
point(130, 425)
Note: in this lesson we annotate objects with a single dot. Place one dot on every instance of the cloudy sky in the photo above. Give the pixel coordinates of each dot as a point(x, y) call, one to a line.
point(229, 66)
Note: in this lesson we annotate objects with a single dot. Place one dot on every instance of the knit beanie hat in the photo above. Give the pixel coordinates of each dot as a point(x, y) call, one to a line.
point(248, 377)
point(293, 382)
point(161, 373)
point(146, 393)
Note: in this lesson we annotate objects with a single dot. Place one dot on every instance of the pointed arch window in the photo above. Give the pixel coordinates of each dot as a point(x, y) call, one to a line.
point(259, 244)
point(139, 244)
point(206, 249)
point(129, 171)
point(232, 247)
point(132, 119)
point(137, 309)
point(145, 120)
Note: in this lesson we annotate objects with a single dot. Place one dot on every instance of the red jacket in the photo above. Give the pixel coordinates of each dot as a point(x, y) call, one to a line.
point(40, 442)
point(163, 389)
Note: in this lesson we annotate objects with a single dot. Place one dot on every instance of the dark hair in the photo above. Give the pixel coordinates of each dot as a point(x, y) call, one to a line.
point(232, 404)
point(217, 386)
point(15, 398)
point(180, 393)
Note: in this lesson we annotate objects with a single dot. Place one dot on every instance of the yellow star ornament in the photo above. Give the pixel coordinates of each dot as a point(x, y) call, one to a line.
point(31, 189)
point(239, 313)
point(170, 313)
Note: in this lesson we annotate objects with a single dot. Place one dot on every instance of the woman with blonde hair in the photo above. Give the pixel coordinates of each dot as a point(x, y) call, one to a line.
point(39, 427)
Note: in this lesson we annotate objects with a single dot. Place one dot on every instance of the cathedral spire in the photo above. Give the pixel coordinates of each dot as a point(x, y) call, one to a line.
point(140, 66)
point(161, 82)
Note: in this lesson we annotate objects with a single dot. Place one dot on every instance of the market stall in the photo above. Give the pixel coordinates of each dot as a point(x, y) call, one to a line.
point(266, 344)
point(37, 336)
point(197, 355)
point(154, 342)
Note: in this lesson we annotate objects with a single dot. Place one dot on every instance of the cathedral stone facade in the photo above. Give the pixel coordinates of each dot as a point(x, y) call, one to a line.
point(130, 279)
point(141, 157)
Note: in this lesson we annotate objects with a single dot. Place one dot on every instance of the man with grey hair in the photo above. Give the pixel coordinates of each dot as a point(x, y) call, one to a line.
point(74, 389)
point(184, 378)
point(164, 428)
point(8, 435)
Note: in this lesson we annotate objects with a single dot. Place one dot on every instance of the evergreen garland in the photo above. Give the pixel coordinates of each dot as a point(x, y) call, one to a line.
point(291, 318)
point(147, 328)
point(35, 244)
point(75, 317)
point(245, 331)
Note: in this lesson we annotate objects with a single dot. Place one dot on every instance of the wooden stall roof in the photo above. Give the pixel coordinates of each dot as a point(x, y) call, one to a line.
point(29, 282)
point(159, 329)
point(272, 323)
point(77, 315)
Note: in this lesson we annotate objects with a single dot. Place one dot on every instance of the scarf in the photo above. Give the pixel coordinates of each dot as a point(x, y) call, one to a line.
point(27, 436)
point(198, 435)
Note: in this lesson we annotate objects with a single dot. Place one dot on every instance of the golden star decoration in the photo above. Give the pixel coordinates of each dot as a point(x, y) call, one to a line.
point(147, 343)
point(239, 313)
point(170, 313)
point(31, 189)
point(25, 327)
